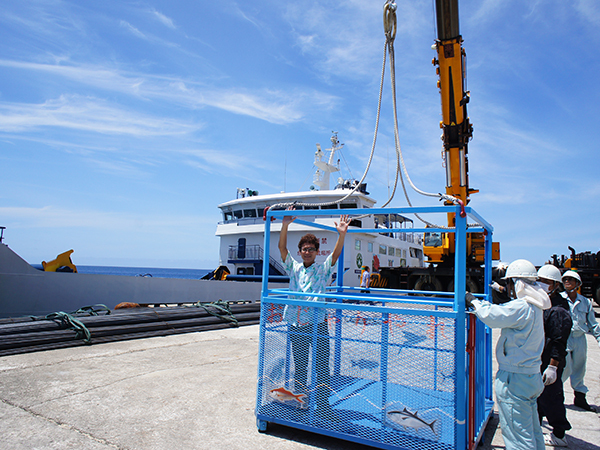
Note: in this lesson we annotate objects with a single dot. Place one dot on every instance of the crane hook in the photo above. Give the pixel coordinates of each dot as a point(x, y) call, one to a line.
point(389, 19)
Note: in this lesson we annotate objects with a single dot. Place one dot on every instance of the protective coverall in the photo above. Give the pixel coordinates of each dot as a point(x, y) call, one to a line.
point(518, 353)
point(584, 321)
point(557, 328)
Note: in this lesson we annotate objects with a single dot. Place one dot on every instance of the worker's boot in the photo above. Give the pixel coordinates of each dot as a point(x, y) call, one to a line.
point(581, 402)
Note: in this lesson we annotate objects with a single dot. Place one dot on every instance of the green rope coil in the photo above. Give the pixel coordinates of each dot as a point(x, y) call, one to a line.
point(221, 306)
point(92, 310)
point(67, 321)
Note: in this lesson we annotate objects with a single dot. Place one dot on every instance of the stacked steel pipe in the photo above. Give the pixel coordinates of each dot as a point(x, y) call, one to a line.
point(30, 334)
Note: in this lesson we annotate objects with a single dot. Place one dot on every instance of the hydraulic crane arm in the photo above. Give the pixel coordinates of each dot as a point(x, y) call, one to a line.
point(457, 130)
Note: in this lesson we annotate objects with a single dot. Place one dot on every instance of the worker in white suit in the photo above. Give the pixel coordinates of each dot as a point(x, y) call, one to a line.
point(518, 381)
point(584, 321)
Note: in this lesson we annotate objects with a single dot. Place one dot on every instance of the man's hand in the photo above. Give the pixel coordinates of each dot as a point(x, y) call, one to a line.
point(289, 219)
point(342, 227)
point(469, 300)
point(549, 376)
point(497, 287)
point(283, 234)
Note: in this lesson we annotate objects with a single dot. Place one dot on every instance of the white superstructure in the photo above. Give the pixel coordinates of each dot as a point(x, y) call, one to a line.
point(241, 230)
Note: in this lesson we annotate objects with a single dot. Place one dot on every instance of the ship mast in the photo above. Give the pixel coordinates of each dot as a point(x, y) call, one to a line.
point(324, 169)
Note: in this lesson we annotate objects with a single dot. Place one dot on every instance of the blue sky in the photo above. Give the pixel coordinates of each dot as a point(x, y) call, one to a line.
point(123, 124)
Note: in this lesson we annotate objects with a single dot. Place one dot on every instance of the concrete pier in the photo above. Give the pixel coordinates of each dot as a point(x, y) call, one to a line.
point(191, 391)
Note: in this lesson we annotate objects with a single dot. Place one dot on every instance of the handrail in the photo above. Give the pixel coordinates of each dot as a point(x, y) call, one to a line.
point(255, 251)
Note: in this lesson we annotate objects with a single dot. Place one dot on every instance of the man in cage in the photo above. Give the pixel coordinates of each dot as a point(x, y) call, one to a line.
point(518, 381)
point(309, 276)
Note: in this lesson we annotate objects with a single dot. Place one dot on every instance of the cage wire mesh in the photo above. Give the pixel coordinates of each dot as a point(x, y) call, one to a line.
point(386, 378)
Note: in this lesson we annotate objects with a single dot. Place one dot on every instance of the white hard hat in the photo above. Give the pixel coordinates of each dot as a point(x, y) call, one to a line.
point(521, 268)
point(550, 272)
point(572, 274)
point(502, 265)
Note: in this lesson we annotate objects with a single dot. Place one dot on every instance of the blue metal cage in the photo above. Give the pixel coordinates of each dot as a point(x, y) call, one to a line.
point(393, 369)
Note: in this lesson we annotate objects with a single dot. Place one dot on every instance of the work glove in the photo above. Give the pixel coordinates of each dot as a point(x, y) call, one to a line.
point(469, 300)
point(495, 286)
point(549, 375)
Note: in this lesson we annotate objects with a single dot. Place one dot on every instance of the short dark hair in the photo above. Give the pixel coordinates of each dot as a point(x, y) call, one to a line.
point(308, 239)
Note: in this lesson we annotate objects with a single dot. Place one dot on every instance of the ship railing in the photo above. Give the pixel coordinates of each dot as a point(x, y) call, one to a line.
point(254, 252)
point(404, 236)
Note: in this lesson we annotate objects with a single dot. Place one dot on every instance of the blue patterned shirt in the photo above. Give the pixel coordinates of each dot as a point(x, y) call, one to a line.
point(313, 278)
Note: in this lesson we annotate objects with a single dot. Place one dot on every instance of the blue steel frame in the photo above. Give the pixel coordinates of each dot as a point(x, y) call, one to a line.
point(481, 385)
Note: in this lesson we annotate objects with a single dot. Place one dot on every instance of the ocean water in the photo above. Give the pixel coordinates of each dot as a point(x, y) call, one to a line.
point(144, 271)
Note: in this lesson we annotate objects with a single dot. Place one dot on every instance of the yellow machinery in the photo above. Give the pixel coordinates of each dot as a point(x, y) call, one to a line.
point(457, 131)
point(62, 260)
point(587, 265)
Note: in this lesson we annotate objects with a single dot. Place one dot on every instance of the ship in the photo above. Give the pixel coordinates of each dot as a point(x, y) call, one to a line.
point(241, 230)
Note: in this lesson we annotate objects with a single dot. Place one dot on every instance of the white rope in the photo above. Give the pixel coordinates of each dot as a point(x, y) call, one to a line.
point(390, 28)
point(390, 32)
point(389, 20)
point(357, 186)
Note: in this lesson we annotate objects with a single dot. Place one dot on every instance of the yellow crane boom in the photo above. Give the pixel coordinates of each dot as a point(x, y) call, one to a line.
point(457, 132)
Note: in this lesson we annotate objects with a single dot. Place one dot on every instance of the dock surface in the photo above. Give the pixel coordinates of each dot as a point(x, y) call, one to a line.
point(190, 391)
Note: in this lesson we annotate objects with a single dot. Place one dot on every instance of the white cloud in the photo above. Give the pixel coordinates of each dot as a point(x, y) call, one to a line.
point(56, 217)
point(274, 106)
point(238, 11)
point(118, 168)
point(88, 114)
point(487, 10)
point(167, 21)
point(347, 40)
point(48, 20)
point(90, 75)
point(133, 30)
point(589, 11)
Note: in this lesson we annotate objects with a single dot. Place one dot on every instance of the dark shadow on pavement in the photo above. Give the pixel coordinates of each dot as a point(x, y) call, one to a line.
point(313, 439)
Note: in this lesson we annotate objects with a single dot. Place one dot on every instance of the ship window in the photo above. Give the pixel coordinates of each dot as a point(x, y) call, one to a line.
point(432, 239)
point(250, 213)
point(414, 252)
point(238, 214)
point(356, 223)
point(334, 206)
point(391, 251)
point(357, 244)
point(311, 207)
point(370, 247)
point(382, 249)
point(228, 215)
point(348, 205)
